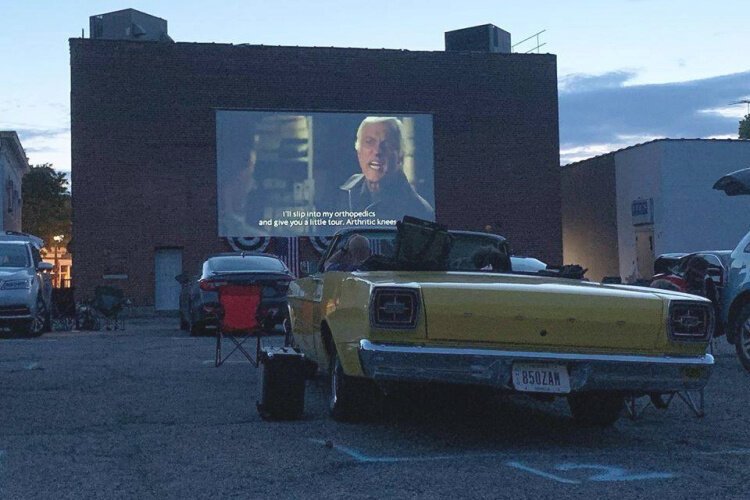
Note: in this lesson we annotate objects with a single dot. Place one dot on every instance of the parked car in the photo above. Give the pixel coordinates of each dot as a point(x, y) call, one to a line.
point(672, 268)
point(199, 295)
point(676, 264)
point(25, 285)
point(406, 318)
point(735, 299)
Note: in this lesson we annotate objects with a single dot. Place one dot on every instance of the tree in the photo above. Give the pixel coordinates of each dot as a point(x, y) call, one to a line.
point(46, 203)
point(745, 127)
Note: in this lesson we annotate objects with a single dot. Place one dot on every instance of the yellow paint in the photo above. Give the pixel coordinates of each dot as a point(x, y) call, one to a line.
point(499, 311)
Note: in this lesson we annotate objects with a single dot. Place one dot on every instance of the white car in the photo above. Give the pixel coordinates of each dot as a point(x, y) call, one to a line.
point(25, 285)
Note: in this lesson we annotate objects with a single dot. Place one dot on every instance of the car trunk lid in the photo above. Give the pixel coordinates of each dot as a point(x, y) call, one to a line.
point(536, 312)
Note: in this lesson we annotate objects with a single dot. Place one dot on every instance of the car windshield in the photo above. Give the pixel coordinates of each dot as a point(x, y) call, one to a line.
point(233, 264)
point(13, 256)
point(469, 251)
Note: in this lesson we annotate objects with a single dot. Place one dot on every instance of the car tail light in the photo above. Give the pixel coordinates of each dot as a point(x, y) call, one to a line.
point(394, 308)
point(210, 285)
point(690, 321)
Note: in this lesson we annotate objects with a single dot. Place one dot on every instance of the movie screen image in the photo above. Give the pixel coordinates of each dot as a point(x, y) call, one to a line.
point(311, 174)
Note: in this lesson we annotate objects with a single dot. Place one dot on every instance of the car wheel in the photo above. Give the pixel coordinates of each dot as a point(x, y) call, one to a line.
point(742, 336)
point(38, 323)
point(352, 399)
point(596, 409)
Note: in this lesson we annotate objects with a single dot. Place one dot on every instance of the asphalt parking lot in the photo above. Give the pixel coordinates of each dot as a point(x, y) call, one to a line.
point(143, 413)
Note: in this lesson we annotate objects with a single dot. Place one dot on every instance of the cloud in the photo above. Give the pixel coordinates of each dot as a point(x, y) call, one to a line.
point(579, 82)
point(32, 134)
point(601, 110)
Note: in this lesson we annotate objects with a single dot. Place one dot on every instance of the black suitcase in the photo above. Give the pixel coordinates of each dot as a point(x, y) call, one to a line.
point(282, 384)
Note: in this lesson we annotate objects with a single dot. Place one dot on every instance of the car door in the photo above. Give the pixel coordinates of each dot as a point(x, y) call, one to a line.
point(305, 299)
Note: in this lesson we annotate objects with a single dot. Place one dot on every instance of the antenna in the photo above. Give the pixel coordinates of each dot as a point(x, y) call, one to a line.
point(537, 47)
point(743, 101)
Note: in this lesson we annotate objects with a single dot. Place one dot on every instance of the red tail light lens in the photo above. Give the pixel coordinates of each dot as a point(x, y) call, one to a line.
point(210, 285)
point(394, 308)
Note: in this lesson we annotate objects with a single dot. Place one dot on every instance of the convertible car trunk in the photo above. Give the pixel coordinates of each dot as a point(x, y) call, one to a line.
point(536, 312)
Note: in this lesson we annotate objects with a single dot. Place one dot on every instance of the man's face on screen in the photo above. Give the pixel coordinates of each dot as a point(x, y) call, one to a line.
point(379, 151)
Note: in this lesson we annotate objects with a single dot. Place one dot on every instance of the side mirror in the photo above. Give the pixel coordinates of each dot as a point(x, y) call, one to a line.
point(308, 267)
point(44, 266)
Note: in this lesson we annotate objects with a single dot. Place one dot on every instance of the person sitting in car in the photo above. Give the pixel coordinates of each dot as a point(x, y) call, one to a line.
point(351, 256)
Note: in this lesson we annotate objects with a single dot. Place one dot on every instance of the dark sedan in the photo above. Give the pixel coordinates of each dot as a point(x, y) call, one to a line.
point(199, 298)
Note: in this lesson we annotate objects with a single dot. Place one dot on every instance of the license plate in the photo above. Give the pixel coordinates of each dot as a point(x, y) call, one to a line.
point(541, 377)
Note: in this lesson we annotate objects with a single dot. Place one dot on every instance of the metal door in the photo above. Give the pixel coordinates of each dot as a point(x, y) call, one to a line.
point(167, 265)
point(644, 247)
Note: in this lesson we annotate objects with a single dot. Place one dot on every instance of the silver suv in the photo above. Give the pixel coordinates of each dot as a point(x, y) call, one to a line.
point(25, 286)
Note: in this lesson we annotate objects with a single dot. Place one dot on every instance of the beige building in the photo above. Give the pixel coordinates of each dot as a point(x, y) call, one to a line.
point(623, 209)
point(13, 166)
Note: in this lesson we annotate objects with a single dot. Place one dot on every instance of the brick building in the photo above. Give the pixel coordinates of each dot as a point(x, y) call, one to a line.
point(13, 166)
point(143, 123)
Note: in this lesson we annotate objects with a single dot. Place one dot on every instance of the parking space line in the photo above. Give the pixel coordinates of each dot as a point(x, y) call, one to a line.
point(7, 341)
point(547, 475)
point(32, 366)
point(741, 451)
point(361, 457)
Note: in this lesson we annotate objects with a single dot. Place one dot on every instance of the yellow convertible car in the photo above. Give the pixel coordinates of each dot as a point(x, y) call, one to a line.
point(436, 306)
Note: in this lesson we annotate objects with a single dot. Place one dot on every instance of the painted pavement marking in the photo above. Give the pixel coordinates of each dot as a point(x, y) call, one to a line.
point(741, 451)
point(361, 457)
point(546, 475)
point(602, 473)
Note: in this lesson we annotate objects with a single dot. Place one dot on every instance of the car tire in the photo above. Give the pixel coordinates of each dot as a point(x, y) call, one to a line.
point(596, 409)
point(48, 322)
point(352, 399)
point(37, 325)
point(742, 336)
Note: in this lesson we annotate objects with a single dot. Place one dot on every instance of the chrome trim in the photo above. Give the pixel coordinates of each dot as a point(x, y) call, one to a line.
point(705, 360)
point(635, 374)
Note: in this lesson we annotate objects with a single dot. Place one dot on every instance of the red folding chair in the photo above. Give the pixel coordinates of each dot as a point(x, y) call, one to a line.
point(238, 320)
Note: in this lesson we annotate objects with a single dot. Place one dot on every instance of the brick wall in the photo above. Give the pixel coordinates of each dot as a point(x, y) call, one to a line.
point(144, 139)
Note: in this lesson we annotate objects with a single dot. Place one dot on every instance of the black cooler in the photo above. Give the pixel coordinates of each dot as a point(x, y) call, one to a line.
point(282, 383)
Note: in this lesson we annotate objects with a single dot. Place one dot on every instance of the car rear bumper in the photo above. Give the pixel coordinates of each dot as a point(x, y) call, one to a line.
point(587, 372)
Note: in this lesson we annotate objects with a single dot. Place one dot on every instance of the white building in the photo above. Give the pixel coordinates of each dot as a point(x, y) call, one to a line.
point(622, 209)
point(13, 166)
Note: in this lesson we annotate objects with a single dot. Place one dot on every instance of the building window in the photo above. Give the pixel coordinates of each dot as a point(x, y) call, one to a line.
point(9, 195)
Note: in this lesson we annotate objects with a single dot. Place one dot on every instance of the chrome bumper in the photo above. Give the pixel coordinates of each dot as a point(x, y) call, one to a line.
point(588, 372)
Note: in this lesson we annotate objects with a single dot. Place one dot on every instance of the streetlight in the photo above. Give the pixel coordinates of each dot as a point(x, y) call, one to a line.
point(58, 239)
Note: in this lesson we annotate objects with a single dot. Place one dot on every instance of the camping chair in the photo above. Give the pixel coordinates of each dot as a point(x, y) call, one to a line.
point(108, 302)
point(63, 309)
point(238, 321)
